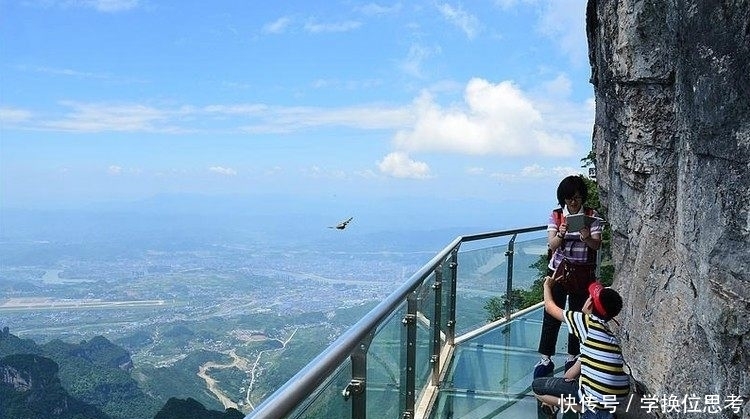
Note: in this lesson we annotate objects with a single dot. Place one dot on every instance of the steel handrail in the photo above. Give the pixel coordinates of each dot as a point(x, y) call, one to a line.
point(309, 378)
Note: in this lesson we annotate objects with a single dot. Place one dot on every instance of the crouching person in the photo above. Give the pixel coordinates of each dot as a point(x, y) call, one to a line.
point(601, 384)
point(557, 392)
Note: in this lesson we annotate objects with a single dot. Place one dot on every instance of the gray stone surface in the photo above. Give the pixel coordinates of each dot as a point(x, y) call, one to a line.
point(672, 144)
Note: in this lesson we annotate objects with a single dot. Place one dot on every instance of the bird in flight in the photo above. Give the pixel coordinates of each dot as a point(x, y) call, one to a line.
point(342, 225)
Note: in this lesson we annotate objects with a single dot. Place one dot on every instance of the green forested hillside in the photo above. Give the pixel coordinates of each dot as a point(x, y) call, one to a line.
point(180, 380)
point(266, 350)
point(83, 372)
point(32, 389)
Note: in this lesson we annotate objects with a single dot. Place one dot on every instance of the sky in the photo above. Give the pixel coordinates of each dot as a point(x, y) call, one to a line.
point(123, 100)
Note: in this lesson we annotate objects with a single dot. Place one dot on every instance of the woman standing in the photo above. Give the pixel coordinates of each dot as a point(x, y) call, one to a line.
point(577, 247)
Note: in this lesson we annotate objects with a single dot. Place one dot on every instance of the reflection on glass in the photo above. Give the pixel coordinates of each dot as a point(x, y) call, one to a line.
point(384, 369)
point(327, 401)
point(483, 272)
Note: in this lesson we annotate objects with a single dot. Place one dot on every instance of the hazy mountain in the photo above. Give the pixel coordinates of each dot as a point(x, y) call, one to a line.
point(202, 217)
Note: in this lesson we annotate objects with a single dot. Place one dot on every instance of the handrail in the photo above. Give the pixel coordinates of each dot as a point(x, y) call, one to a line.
point(494, 234)
point(302, 384)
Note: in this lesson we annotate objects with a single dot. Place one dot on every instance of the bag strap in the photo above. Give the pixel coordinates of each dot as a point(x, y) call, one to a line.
point(557, 217)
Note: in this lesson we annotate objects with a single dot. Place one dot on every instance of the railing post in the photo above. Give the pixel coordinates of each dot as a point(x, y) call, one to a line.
point(436, 324)
point(451, 325)
point(409, 357)
point(509, 280)
point(357, 388)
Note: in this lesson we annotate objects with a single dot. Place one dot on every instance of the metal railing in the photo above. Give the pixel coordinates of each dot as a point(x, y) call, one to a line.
point(361, 362)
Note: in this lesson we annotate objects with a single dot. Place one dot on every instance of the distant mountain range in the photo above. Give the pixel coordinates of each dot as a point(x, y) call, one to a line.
point(243, 216)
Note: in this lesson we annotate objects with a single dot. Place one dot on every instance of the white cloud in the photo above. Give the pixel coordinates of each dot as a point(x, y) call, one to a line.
point(67, 72)
point(292, 119)
point(241, 109)
point(496, 119)
point(536, 171)
point(559, 87)
point(563, 171)
point(318, 172)
point(508, 4)
point(467, 22)
point(96, 117)
point(378, 9)
point(412, 64)
point(107, 6)
point(400, 165)
point(562, 115)
point(13, 115)
point(114, 170)
point(278, 26)
point(564, 22)
point(284, 24)
point(226, 171)
point(366, 174)
point(247, 118)
point(346, 26)
point(346, 84)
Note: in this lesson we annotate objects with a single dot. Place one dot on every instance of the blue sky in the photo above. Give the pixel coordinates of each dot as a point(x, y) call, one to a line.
point(121, 100)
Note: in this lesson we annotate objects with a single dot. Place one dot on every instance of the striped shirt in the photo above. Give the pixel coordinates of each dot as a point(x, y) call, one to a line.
point(603, 379)
point(572, 248)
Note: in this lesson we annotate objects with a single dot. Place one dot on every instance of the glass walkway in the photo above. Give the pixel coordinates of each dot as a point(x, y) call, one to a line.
point(429, 350)
point(490, 373)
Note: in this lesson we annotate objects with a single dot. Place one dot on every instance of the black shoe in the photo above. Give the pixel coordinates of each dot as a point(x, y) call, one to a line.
point(545, 368)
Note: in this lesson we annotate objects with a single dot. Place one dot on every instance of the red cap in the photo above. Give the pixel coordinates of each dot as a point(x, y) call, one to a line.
point(595, 290)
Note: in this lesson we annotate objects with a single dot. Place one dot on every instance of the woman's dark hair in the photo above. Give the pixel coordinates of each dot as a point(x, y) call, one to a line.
point(611, 302)
point(569, 187)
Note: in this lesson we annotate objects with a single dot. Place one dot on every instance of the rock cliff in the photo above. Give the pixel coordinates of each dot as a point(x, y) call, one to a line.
point(30, 388)
point(672, 145)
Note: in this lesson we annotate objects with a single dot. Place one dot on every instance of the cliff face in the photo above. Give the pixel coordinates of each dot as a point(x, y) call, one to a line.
point(30, 388)
point(61, 380)
point(22, 373)
point(672, 144)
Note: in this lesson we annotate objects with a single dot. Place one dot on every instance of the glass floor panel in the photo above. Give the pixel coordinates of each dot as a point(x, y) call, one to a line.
point(490, 375)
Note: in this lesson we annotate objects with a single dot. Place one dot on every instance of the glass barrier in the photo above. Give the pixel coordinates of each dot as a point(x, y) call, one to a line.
point(530, 254)
point(448, 298)
point(490, 374)
point(327, 401)
point(425, 296)
point(385, 362)
point(483, 275)
point(384, 367)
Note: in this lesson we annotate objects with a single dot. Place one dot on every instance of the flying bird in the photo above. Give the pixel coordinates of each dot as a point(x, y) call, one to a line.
point(342, 225)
